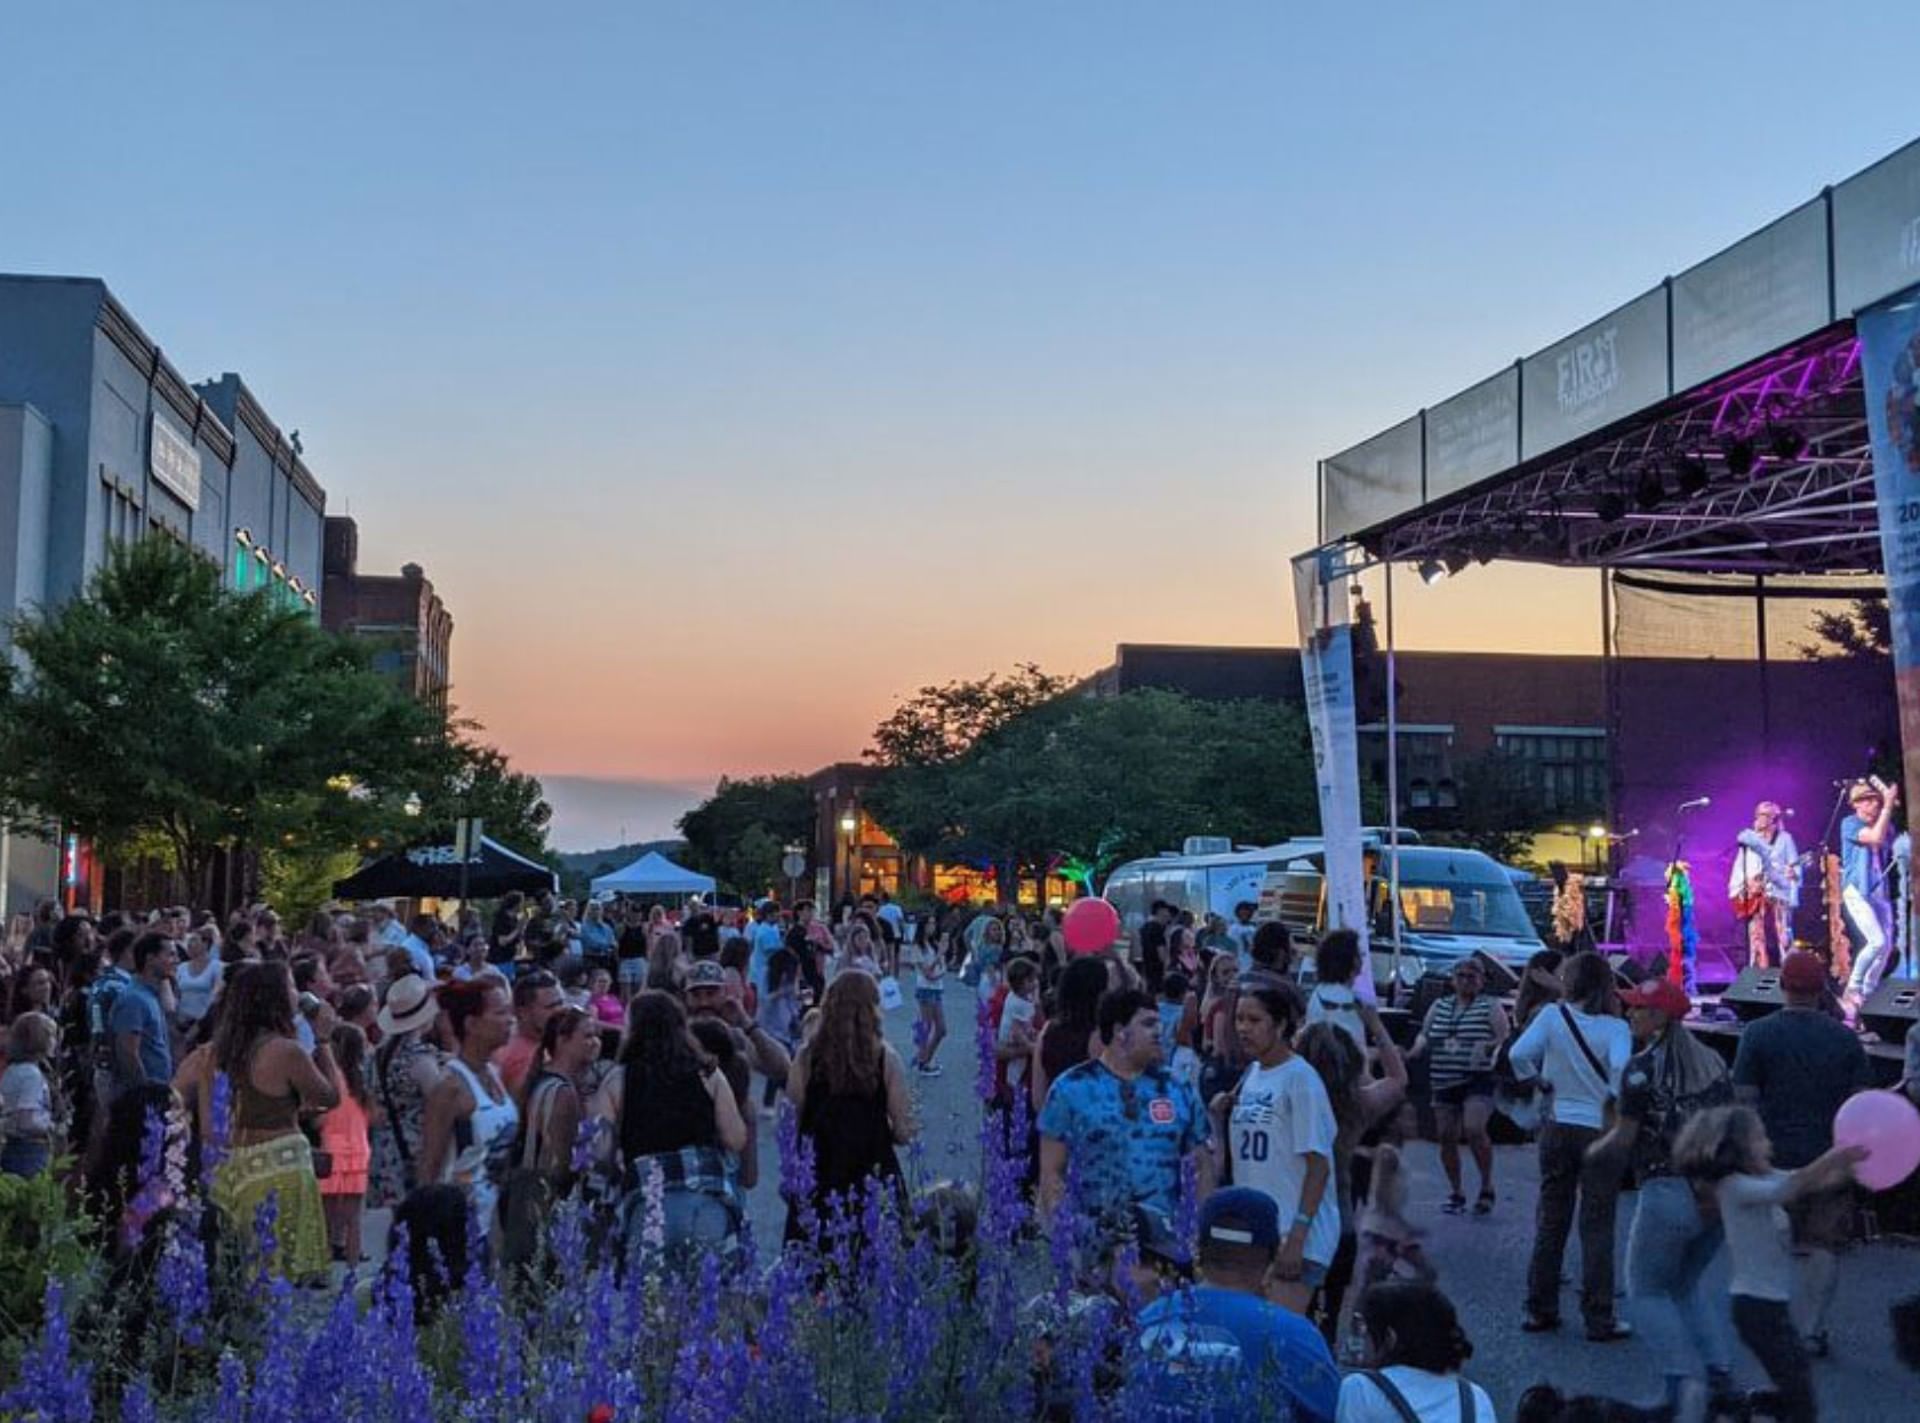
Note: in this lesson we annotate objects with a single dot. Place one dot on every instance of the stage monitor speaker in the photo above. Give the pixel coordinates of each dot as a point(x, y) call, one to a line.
point(1754, 994)
point(1892, 1010)
point(1501, 980)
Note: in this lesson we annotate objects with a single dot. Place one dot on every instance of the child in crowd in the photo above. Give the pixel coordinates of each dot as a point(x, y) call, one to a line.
point(1726, 1155)
point(27, 1119)
point(344, 1137)
point(1018, 1028)
point(930, 999)
point(601, 1001)
point(1389, 1244)
point(1179, 1025)
point(1336, 964)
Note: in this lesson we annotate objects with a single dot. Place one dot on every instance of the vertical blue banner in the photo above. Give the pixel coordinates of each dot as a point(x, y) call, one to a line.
point(1890, 370)
point(1326, 664)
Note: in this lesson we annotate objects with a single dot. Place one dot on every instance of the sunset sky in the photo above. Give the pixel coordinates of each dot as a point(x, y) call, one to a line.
point(734, 369)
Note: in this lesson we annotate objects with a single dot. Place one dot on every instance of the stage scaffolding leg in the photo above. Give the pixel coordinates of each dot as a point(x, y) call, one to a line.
point(1393, 790)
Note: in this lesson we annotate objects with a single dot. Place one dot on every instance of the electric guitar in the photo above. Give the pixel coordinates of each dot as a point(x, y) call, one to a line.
point(1752, 897)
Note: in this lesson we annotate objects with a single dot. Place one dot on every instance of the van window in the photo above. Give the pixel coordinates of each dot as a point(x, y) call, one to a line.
point(1126, 891)
point(1464, 907)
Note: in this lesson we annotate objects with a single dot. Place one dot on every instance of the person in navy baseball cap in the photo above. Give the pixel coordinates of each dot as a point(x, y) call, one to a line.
point(1222, 1338)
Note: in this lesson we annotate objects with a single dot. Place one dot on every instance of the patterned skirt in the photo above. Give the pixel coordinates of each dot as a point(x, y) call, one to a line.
point(280, 1171)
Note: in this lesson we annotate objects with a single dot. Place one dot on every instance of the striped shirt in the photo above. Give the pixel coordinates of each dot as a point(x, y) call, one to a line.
point(1459, 1040)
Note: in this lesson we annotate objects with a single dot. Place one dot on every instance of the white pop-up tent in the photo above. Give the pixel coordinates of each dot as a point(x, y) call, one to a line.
point(653, 873)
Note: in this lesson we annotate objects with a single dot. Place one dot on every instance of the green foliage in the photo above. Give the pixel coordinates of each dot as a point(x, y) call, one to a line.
point(754, 865)
point(1499, 811)
point(41, 1238)
point(780, 808)
point(477, 780)
point(939, 724)
point(1107, 778)
point(161, 703)
point(297, 882)
point(1863, 633)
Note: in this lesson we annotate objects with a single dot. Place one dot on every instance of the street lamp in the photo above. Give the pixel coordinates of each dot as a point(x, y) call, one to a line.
point(411, 805)
point(1597, 838)
point(849, 824)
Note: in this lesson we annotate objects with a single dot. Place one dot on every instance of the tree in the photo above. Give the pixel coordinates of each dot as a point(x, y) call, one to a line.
point(1863, 633)
point(479, 782)
point(1499, 811)
point(754, 863)
point(1107, 778)
point(159, 704)
point(938, 724)
point(779, 807)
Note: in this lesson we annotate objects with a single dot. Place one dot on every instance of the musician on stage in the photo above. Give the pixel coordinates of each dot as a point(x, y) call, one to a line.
point(1865, 837)
point(1764, 884)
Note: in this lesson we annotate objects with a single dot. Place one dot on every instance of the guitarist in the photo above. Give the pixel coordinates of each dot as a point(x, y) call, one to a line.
point(1764, 884)
point(1865, 837)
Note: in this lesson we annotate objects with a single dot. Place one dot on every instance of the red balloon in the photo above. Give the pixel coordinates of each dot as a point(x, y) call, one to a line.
point(1090, 926)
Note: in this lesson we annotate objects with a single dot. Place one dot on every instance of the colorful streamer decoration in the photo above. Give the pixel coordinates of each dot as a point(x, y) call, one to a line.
point(1683, 935)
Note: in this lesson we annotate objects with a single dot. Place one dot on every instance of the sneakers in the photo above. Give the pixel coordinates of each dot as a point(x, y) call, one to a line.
point(1540, 1323)
point(927, 1069)
point(1610, 1331)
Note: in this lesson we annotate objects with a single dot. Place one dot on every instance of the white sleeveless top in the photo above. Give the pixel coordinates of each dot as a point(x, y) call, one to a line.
point(479, 1164)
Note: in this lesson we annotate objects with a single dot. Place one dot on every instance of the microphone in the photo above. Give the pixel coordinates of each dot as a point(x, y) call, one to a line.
point(1843, 782)
point(1697, 803)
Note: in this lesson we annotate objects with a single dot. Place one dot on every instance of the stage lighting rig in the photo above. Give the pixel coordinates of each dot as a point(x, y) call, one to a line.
point(1785, 443)
point(1649, 490)
point(1740, 455)
point(1432, 571)
point(1610, 506)
point(1691, 474)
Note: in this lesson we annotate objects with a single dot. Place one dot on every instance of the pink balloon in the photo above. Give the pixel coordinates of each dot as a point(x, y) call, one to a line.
point(1089, 926)
point(1888, 1125)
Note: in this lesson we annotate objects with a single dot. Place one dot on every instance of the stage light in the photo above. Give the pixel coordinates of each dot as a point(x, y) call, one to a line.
point(1610, 506)
point(1650, 490)
point(1690, 472)
point(1455, 562)
point(1740, 455)
point(1785, 443)
point(1432, 571)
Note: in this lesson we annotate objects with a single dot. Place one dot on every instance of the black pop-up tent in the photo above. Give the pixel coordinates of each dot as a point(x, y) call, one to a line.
point(433, 871)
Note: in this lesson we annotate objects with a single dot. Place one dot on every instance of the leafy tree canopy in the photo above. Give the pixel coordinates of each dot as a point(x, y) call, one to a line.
point(720, 831)
point(938, 724)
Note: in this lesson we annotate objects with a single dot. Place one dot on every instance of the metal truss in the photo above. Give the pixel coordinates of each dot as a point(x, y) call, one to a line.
point(1768, 471)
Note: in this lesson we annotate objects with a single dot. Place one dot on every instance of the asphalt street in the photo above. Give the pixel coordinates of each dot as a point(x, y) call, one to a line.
point(1482, 1261)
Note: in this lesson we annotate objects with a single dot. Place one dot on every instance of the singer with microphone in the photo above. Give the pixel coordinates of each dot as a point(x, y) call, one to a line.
point(1764, 884)
point(1865, 836)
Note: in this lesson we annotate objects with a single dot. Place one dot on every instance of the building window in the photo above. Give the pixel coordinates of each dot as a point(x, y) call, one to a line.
point(120, 520)
point(1419, 795)
point(1566, 766)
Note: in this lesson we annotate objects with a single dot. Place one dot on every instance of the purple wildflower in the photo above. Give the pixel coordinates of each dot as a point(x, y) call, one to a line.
point(52, 1387)
point(213, 1147)
point(182, 1284)
point(136, 1404)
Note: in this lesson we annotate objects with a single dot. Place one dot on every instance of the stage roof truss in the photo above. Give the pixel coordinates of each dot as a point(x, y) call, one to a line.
point(1768, 471)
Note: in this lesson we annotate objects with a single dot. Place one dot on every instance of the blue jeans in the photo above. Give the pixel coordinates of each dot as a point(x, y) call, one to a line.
point(1668, 1250)
point(21, 1157)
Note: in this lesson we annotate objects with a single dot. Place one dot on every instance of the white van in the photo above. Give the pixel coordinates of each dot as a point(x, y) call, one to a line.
point(1210, 875)
point(1452, 903)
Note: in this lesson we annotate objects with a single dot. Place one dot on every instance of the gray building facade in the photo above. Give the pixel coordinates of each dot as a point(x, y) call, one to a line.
point(102, 441)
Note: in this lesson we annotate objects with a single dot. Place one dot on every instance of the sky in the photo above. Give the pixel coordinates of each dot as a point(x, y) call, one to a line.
point(735, 370)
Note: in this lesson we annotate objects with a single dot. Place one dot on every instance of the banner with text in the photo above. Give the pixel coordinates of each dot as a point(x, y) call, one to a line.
point(1326, 664)
point(1890, 370)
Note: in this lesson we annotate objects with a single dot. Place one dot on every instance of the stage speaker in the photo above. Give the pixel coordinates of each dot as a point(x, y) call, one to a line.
point(1501, 980)
point(1754, 994)
point(1892, 1010)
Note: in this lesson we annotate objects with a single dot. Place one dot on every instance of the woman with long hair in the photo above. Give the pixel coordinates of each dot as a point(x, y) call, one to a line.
point(1359, 1104)
point(677, 1130)
point(850, 1090)
point(471, 1120)
point(344, 1133)
point(861, 952)
point(552, 1103)
point(665, 970)
point(1540, 984)
point(1068, 1038)
point(273, 1079)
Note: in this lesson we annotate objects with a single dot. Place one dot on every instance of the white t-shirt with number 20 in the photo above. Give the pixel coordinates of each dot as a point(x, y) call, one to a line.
point(1281, 1116)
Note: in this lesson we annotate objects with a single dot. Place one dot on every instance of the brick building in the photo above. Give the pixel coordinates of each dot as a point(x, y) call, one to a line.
point(403, 617)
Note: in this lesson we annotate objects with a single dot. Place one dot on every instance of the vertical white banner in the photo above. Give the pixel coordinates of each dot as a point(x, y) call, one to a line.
point(1326, 666)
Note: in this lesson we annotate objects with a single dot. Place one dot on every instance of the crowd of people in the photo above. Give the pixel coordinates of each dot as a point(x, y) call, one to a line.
point(1212, 1135)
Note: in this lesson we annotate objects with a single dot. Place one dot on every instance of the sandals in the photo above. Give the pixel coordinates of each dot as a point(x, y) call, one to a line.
point(1456, 1204)
point(1484, 1205)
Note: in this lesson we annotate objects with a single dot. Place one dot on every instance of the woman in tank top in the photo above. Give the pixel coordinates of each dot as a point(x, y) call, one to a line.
point(850, 1090)
point(471, 1121)
point(273, 1079)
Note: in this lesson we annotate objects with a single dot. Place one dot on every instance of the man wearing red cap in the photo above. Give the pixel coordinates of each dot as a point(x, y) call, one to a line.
point(1796, 1067)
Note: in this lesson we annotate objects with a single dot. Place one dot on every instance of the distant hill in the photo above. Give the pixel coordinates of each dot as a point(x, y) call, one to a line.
point(589, 863)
